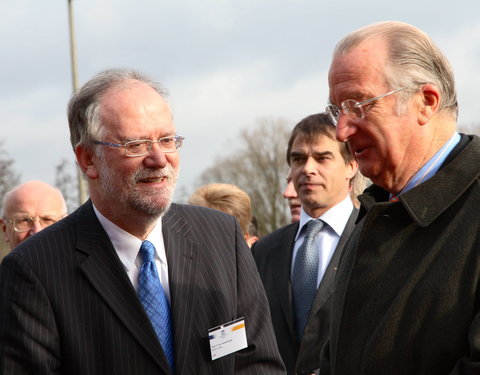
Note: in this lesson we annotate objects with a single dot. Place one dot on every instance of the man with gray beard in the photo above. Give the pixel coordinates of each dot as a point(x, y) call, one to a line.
point(132, 283)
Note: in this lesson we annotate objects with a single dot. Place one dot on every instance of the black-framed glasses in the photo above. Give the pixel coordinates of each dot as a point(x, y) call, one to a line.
point(354, 109)
point(140, 147)
point(25, 224)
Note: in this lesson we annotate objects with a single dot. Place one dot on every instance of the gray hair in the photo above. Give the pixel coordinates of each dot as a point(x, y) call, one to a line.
point(84, 117)
point(413, 57)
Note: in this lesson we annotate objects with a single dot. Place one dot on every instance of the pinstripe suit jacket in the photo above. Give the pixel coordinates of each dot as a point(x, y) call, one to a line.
point(68, 307)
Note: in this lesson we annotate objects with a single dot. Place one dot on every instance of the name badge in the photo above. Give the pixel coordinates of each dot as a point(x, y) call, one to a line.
point(227, 338)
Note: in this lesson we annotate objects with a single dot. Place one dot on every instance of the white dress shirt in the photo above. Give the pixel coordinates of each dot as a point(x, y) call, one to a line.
point(334, 220)
point(127, 247)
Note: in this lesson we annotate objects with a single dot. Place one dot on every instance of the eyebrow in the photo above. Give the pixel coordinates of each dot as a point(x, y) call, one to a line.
point(359, 96)
point(20, 213)
point(320, 153)
point(25, 215)
point(146, 138)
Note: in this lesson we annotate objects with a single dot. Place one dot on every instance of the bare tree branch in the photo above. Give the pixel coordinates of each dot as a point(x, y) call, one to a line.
point(9, 178)
point(257, 165)
point(66, 182)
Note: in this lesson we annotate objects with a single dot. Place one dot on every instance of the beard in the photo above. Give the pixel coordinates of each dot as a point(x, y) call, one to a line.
point(151, 201)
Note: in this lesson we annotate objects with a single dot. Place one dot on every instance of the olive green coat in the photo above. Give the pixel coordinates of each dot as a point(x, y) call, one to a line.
point(407, 295)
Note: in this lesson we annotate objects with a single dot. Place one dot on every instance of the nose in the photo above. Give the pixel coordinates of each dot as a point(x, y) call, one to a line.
point(345, 128)
point(155, 158)
point(289, 191)
point(310, 166)
point(36, 227)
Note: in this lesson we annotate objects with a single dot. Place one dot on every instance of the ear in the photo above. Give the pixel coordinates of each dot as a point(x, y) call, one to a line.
point(85, 159)
point(3, 225)
point(251, 240)
point(352, 167)
point(429, 103)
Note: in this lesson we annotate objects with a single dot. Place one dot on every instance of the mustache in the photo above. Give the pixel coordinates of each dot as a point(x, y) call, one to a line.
point(167, 172)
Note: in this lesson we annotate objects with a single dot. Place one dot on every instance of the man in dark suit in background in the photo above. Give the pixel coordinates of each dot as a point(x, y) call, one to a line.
point(321, 171)
point(68, 296)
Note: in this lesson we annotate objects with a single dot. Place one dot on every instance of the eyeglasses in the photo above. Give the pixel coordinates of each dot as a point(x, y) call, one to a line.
point(140, 147)
point(354, 109)
point(27, 223)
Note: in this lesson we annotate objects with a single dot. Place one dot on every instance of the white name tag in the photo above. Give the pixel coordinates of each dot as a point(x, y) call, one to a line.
point(227, 338)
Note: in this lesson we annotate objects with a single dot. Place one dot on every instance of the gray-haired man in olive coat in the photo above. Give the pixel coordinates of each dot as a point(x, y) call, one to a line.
point(406, 297)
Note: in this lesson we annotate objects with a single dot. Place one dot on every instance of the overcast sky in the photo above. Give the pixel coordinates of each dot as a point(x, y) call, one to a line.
point(225, 63)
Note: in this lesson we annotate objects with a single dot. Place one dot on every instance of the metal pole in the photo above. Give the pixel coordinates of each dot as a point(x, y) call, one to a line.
point(82, 190)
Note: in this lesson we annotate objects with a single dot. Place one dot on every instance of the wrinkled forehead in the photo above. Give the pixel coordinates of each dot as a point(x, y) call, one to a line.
point(364, 68)
point(136, 108)
point(314, 137)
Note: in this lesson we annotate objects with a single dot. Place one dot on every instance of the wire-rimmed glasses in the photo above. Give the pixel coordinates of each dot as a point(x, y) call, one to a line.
point(354, 109)
point(141, 147)
point(25, 224)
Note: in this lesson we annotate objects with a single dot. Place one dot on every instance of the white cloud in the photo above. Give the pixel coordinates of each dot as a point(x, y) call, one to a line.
point(462, 48)
point(211, 110)
point(225, 62)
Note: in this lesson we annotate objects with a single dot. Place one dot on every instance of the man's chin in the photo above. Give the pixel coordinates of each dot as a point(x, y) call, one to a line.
point(295, 211)
point(366, 168)
point(159, 210)
point(153, 207)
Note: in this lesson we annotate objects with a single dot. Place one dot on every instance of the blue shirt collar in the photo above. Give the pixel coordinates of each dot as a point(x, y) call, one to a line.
point(433, 165)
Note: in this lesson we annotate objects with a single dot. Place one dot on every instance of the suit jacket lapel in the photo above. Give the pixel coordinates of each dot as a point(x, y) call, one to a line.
point(325, 289)
point(107, 275)
point(281, 262)
point(182, 260)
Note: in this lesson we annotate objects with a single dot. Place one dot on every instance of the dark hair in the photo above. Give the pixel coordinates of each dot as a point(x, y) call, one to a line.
point(253, 227)
point(313, 126)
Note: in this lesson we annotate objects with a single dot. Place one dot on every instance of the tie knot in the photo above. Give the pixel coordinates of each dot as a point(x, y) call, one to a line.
point(313, 228)
point(147, 251)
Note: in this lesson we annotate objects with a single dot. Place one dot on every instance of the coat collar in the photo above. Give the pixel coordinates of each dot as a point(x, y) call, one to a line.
point(281, 262)
point(450, 182)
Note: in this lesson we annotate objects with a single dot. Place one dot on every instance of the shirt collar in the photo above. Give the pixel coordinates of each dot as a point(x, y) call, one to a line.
point(126, 245)
point(431, 167)
point(336, 217)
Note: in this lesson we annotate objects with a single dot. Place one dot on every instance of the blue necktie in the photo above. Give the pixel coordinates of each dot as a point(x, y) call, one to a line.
point(305, 274)
point(154, 301)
